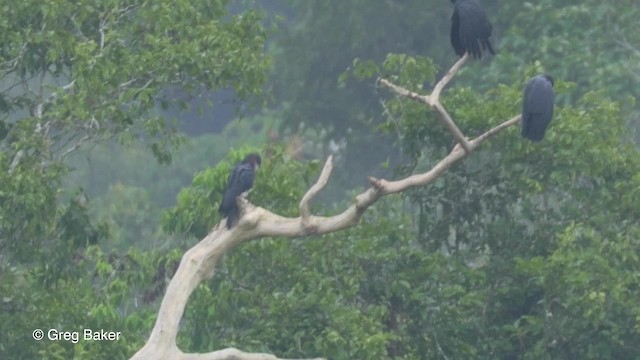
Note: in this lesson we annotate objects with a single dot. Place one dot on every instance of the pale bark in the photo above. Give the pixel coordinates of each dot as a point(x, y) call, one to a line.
point(199, 262)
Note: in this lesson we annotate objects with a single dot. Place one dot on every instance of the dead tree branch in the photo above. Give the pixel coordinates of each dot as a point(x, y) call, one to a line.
point(448, 76)
point(232, 354)
point(198, 263)
point(313, 191)
point(433, 100)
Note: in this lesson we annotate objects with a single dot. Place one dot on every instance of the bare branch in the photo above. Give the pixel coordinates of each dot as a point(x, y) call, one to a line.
point(199, 262)
point(10, 65)
point(231, 354)
point(146, 85)
point(435, 337)
point(406, 93)
point(101, 31)
point(448, 76)
point(54, 95)
point(313, 191)
point(15, 161)
point(451, 125)
point(69, 85)
point(77, 27)
point(196, 265)
point(489, 133)
point(75, 146)
point(127, 83)
point(433, 100)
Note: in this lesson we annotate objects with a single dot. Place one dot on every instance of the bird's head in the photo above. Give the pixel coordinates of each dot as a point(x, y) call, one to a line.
point(254, 160)
point(549, 78)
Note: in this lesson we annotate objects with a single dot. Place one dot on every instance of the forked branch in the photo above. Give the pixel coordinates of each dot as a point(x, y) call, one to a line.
point(433, 100)
point(232, 354)
point(198, 263)
point(315, 189)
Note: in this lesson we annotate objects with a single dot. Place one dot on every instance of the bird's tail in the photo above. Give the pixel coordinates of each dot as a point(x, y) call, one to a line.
point(232, 216)
point(533, 129)
point(487, 45)
point(229, 209)
point(226, 204)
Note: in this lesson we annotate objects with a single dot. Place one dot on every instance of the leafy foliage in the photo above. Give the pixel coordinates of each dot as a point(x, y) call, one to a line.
point(520, 201)
point(106, 292)
point(278, 185)
point(588, 43)
point(588, 309)
point(74, 74)
point(526, 251)
point(79, 72)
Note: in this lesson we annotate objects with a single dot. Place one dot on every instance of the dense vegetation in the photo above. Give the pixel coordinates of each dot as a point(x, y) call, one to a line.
point(524, 251)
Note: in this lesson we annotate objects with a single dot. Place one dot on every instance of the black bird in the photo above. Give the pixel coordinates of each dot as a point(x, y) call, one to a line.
point(537, 107)
point(239, 183)
point(470, 29)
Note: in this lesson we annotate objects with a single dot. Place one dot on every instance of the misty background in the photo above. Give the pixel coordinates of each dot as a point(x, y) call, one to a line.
point(120, 121)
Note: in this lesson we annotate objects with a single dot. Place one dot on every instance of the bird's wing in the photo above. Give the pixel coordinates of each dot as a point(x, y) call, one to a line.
point(537, 107)
point(458, 46)
point(527, 98)
point(487, 46)
point(474, 19)
point(538, 98)
point(239, 181)
point(545, 98)
point(474, 26)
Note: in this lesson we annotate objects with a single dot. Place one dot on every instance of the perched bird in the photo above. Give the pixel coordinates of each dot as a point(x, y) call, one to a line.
point(537, 107)
point(470, 29)
point(239, 183)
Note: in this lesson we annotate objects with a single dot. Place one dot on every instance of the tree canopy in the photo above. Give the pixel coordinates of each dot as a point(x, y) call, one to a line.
point(522, 250)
